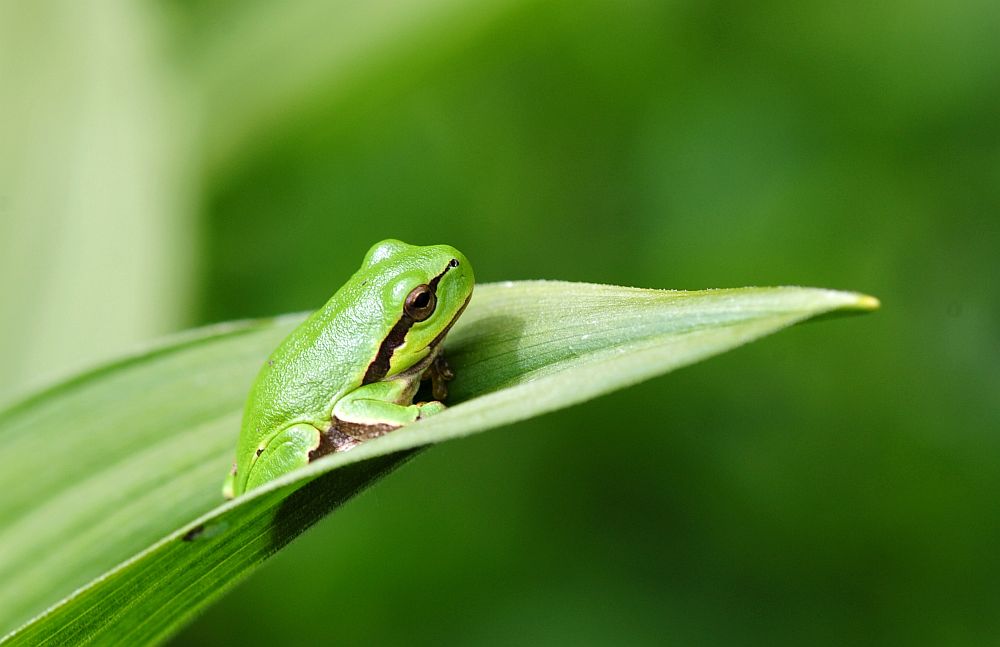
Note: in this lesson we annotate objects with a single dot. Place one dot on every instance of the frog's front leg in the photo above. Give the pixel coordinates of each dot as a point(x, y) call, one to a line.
point(286, 451)
point(374, 409)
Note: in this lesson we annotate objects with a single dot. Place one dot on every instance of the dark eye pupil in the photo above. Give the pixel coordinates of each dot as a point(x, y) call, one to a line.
point(420, 303)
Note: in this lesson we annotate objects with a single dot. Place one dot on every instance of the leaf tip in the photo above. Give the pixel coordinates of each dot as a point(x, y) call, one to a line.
point(867, 303)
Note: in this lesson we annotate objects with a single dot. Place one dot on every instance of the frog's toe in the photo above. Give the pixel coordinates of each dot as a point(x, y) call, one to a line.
point(430, 408)
point(229, 485)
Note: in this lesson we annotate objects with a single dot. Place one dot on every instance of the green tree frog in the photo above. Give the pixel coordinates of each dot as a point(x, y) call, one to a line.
point(350, 371)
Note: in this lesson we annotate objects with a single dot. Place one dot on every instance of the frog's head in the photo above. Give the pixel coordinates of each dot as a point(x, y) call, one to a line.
point(424, 291)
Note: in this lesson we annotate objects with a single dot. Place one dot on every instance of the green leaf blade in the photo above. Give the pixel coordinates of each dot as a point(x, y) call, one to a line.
point(131, 496)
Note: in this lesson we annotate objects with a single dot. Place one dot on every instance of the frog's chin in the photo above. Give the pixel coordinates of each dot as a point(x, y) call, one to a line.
point(417, 369)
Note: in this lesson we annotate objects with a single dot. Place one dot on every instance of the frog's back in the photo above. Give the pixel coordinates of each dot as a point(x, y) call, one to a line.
point(320, 361)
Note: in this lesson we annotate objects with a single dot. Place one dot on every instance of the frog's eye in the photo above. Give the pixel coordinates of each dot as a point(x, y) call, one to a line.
point(420, 303)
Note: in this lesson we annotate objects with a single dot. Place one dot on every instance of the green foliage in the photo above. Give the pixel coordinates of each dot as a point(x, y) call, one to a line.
point(122, 535)
point(170, 163)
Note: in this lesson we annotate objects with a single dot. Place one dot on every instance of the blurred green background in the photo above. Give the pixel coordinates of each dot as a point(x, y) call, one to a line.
point(169, 164)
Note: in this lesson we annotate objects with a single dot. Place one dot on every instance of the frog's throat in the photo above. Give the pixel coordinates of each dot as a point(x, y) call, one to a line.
point(379, 366)
point(416, 371)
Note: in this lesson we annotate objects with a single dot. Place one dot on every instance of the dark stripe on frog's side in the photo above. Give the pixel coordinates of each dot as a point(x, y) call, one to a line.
point(345, 435)
point(379, 366)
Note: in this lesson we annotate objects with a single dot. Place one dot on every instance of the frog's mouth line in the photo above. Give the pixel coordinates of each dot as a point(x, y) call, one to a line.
point(441, 335)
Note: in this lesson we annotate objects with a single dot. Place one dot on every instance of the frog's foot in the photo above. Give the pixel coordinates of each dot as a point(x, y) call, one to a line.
point(430, 408)
point(287, 451)
point(439, 373)
point(229, 485)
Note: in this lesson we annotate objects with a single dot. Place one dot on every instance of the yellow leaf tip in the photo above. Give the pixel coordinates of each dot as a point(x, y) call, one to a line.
point(868, 302)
